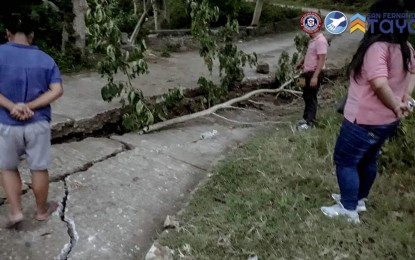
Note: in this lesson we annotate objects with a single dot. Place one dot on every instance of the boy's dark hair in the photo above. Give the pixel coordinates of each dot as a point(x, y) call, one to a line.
point(17, 23)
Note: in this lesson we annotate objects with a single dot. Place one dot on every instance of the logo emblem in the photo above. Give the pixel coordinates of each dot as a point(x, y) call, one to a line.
point(357, 22)
point(336, 22)
point(311, 22)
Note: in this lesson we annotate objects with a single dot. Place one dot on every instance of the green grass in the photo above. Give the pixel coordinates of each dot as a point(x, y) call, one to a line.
point(335, 5)
point(265, 200)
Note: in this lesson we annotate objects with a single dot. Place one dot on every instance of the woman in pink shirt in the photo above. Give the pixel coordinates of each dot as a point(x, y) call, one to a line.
point(381, 83)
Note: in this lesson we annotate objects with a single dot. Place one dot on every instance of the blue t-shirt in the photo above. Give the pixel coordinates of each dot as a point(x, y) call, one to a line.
point(25, 74)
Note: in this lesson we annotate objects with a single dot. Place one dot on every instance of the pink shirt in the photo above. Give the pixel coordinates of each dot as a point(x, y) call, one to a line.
point(316, 46)
point(381, 60)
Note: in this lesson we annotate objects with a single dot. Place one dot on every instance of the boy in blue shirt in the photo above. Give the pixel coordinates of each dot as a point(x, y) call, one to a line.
point(29, 82)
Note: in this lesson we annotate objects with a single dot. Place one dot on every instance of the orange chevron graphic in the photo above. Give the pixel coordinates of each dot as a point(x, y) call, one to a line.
point(358, 27)
point(357, 22)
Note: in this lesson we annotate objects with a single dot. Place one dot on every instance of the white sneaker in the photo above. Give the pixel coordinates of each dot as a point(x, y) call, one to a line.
point(361, 205)
point(301, 122)
point(338, 210)
point(304, 127)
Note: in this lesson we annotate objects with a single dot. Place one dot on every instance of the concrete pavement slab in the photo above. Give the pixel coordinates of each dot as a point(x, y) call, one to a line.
point(120, 203)
point(34, 240)
point(74, 157)
point(186, 144)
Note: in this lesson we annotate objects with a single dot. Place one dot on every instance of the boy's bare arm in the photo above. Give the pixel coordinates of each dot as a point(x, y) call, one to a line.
point(6, 103)
point(55, 92)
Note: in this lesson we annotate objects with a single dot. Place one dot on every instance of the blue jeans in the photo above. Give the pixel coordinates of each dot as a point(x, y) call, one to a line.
point(355, 155)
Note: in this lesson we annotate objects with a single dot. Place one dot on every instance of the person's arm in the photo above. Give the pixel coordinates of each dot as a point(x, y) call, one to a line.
point(322, 48)
point(55, 92)
point(383, 91)
point(320, 65)
point(376, 66)
point(6, 103)
point(411, 86)
point(18, 111)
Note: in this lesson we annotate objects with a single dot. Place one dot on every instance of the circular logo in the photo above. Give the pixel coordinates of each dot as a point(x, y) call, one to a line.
point(311, 22)
point(336, 22)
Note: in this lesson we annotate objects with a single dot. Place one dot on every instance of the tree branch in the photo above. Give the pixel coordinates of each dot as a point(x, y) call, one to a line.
point(250, 123)
point(245, 109)
point(213, 109)
point(139, 24)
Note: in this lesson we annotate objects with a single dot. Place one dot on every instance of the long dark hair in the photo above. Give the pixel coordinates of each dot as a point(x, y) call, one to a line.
point(375, 34)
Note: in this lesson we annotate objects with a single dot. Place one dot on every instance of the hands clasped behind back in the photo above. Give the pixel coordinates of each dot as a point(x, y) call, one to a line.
point(21, 112)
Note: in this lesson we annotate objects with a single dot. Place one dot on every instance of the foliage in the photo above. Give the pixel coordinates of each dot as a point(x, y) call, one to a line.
point(351, 6)
point(244, 12)
point(272, 13)
point(228, 8)
point(180, 17)
point(412, 39)
point(48, 21)
point(105, 38)
point(398, 153)
point(287, 64)
point(221, 46)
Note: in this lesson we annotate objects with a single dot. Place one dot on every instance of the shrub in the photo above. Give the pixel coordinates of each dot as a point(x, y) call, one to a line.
point(272, 13)
point(412, 39)
point(398, 153)
point(245, 13)
point(179, 15)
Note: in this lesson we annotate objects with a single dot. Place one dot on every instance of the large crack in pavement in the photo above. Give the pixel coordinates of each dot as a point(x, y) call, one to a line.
point(86, 166)
point(70, 223)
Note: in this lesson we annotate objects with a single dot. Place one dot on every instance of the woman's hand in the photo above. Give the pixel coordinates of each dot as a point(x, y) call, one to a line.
point(407, 99)
point(401, 110)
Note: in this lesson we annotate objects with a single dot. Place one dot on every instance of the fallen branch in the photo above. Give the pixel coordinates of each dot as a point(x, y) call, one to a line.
point(294, 92)
point(213, 109)
point(245, 109)
point(250, 123)
point(139, 24)
point(256, 102)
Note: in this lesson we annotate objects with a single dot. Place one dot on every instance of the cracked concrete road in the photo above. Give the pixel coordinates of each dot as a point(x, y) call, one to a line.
point(115, 193)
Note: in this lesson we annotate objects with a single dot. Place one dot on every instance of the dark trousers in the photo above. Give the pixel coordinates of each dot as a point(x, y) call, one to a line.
point(355, 155)
point(310, 98)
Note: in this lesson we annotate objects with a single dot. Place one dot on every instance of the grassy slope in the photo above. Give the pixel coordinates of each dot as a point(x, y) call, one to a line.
point(265, 198)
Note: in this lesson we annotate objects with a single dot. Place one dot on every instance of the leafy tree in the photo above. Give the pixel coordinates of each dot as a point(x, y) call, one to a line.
point(105, 38)
point(221, 46)
point(287, 64)
point(228, 7)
